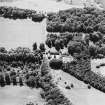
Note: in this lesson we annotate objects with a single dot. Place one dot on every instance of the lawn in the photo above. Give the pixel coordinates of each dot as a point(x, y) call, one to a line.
point(15, 95)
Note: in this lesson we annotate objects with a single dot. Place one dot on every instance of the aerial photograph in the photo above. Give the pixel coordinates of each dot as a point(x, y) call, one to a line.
point(52, 52)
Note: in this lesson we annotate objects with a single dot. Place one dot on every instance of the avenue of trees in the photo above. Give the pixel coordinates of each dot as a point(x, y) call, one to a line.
point(7, 79)
point(50, 92)
point(21, 54)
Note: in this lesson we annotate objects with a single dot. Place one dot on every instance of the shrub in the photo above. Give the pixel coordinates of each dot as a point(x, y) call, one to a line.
point(68, 87)
point(89, 87)
point(31, 82)
point(72, 86)
point(42, 47)
point(2, 81)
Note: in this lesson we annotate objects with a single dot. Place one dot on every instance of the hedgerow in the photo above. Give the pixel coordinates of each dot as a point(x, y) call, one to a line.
point(17, 13)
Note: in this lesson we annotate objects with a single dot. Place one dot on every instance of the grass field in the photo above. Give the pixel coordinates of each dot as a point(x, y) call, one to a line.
point(15, 95)
point(43, 5)
point(97, 62)
point(80, 94)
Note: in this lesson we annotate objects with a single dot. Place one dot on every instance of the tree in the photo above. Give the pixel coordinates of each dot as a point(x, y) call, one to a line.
point(96, 36)
point(102, 29)
point(7, 79)
point(57, 45)
point(89, 29)
point(3, 50)
point(86, 39)
point(2, 81)
point(42, 47)
point(83, 28)
point(101, 50)
point(14, 80)
point(61, 44)
point(65, 42)
point(74, 47)
point(96, 27)
point(34, 46)
point(48, 42)
point(12, 73)
point(20, 81)
point(92, 51)
point(69, 36)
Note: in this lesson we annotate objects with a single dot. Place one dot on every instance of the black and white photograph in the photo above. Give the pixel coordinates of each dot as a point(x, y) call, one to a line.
point(52, 52)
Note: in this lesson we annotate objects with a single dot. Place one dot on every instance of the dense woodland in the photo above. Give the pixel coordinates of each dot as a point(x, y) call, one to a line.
point(85, 20)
